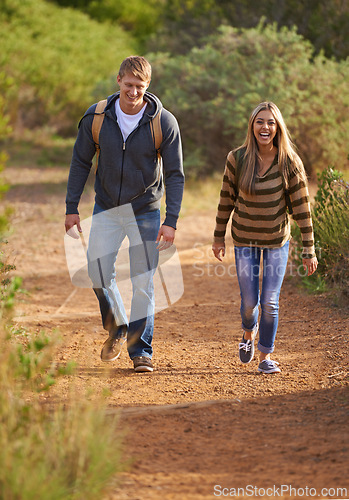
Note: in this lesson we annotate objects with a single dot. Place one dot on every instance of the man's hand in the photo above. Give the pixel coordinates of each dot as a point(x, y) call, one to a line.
point(218, 249)
point(72, 220)
point(165, 238)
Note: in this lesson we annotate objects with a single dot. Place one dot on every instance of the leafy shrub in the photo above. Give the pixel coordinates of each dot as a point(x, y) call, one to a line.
point(137, 16)
point(185, 22)
point(68, 453)
point(53, 58)
point(331, 229)
point(213, 89)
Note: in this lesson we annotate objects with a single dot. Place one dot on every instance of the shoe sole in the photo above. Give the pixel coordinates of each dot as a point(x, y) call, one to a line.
point(139, 369)
point(112, 359)
point(269, 371)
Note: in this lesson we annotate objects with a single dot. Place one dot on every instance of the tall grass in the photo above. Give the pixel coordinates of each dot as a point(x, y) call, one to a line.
point(67, 452)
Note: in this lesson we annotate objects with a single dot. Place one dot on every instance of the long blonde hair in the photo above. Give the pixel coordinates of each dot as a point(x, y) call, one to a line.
point(288, 160)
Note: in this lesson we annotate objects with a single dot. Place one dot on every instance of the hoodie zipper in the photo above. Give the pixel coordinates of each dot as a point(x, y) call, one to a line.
point(123, 157)
point(122, 167)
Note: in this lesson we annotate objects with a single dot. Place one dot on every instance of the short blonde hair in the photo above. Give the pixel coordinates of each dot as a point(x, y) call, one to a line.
point(138, 66)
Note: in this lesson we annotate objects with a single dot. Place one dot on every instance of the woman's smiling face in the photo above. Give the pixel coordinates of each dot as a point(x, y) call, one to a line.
point(264, 128)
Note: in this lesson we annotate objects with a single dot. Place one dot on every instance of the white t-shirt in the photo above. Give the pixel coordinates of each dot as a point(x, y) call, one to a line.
point(127, 123)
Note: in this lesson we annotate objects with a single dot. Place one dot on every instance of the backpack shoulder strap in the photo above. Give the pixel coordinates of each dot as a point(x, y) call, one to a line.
point(239, 158)
point(155, 126)
point(97, 125)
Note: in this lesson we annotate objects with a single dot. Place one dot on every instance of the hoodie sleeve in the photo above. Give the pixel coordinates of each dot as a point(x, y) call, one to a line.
point(172, 160)
point(83, 153)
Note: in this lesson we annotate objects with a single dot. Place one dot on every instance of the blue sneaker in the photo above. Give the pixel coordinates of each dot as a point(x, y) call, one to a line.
point(246, 350)
point(269, 366)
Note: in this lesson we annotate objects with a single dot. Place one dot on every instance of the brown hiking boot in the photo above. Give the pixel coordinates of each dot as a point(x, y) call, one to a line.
point(142, 364)
point(112, 348)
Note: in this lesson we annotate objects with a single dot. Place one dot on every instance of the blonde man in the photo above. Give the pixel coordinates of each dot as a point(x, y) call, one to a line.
point(130, 181)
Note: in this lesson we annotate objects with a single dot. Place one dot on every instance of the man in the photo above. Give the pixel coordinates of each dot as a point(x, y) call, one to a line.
point(129, 185)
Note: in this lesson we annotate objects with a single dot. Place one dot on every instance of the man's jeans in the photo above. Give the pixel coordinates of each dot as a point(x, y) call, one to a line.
point(109, 229)
point(248, 269)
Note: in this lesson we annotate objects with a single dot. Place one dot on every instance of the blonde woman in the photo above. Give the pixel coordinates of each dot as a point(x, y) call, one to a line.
point(260, 177)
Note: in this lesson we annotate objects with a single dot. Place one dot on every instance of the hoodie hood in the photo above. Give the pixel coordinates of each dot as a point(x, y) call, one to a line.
point(153, 105)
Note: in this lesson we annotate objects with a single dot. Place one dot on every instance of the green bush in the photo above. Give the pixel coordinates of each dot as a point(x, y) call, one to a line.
point(213, 89)
point(186, 22)
point(330, 216)
point(69, 452)
point(139, 17)
point(53, 58)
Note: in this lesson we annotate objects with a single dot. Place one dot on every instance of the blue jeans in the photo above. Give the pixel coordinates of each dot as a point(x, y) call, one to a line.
point(247, 261)
point(108, 230)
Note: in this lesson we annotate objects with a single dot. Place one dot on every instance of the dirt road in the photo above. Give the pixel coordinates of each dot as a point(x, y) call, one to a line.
point(202, 425)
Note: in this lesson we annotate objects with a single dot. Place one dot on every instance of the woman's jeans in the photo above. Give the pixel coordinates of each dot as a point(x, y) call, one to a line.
point(248, 272)
point(108, 230)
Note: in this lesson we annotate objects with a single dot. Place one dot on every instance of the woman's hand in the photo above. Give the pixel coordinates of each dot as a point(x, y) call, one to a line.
point(218, 249)
point(310, 264)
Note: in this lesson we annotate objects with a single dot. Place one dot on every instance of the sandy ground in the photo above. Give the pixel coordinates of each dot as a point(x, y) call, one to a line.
point(201, 425)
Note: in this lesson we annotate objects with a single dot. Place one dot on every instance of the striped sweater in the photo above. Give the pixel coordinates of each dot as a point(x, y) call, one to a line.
point(261, 219)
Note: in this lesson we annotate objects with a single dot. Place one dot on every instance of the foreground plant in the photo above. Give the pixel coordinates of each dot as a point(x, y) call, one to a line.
point(68, 452)
point(331, 229)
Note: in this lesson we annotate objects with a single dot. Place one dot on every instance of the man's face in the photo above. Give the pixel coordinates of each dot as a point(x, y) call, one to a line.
point(132, 90)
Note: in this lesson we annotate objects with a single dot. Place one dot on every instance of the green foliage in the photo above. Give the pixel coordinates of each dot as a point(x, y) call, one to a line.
point(331, 229)
point(186, 22)
point(68, 453)
point(213, 89)
point(137, 16)
point(53, 58)
point(9, 287)
point(33, 362)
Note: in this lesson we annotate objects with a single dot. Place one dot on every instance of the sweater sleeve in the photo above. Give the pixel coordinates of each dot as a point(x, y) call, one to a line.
point(299, 196)
point(227, 199)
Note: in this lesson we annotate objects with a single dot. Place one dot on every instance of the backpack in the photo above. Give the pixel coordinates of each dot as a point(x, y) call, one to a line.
point(155, 127)
point(239, 165)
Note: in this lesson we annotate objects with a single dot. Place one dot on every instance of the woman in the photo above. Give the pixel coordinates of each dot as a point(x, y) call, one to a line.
point(256, 180)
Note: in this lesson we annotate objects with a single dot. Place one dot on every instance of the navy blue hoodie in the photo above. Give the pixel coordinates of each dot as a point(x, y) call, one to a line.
point(129, 172)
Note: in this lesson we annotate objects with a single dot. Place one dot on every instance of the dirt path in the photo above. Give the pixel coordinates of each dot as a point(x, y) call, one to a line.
point(201, 419)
